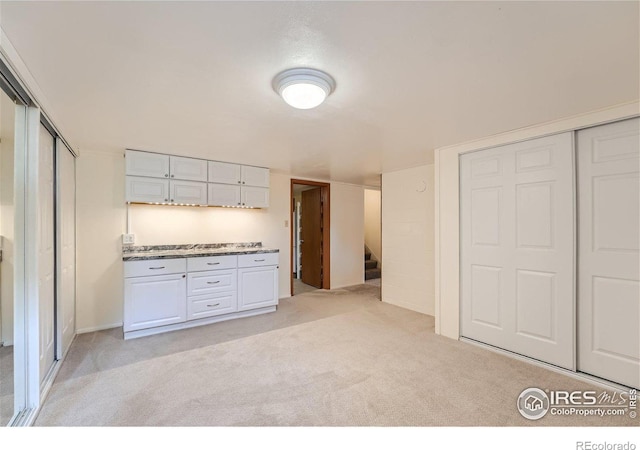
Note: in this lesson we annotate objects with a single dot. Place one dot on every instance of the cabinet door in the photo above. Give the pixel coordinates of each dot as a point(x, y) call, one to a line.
point(145, 164)
point(255, 176)
point(147, 190)
point(154, 301)
point(257, 287)
point(255, 197)
point(188, 169)
point(225, 173)
point(188, 192)
point(224, 195)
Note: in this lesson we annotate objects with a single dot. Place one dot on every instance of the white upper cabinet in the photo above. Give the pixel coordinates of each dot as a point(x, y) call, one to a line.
point(224, 195)
point(188, 192)
point(255, 176)
point(145, 164)
point(190, 169)
point(159, 178)
point(147, 190)
point(254, 197)
point(225, 173)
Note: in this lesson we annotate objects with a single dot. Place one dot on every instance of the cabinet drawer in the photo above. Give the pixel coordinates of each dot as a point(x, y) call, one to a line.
point(258, 259)
point(154, 267)
point(201, 283)
point(211, 305)
point(212, 263)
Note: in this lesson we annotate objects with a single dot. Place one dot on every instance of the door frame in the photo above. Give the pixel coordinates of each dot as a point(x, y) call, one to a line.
point(325, 192)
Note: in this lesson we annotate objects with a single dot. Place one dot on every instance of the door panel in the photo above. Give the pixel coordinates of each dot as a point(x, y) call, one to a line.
point(145, 164)
point(517, 281)
point(66, 248)
point(311, 237)
point(46, 251)
point(608, 266)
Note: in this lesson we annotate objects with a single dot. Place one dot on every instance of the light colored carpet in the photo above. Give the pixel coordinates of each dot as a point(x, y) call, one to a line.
point(302, 288)
point(328, 358)
point(6, 384)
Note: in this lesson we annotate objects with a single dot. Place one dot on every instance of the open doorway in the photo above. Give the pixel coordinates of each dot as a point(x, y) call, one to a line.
point(373, 237)
point(310, 236)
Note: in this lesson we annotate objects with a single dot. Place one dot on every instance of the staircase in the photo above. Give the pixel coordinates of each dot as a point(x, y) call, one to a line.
point(371, 270)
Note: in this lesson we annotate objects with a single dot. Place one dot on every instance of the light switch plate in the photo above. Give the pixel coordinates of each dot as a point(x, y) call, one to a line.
point(128, 238)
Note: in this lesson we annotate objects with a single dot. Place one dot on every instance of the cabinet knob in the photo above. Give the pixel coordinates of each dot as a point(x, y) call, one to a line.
point(238, 181)
point(172, 176)
point(166, 175)
point(238, 203)
point(166, 199)
point(171, 200)
point(243, 204)
point(243, 182)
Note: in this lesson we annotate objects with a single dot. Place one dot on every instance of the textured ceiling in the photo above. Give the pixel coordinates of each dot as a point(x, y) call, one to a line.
point(194, 78)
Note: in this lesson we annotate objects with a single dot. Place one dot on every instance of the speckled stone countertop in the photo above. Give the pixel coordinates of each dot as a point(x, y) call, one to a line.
point(145, 252)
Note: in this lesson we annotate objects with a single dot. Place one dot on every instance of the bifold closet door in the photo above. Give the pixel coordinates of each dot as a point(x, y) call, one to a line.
point(517, 248)
point(608, 252)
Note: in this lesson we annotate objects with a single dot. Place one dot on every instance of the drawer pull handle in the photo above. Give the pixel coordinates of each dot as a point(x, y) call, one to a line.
point(258, 260)
point(156, 268)
point(213, 282)
point(213, 264)
point(214, 305)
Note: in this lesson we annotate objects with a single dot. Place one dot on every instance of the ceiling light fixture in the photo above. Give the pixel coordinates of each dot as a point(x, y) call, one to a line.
point(304, 88)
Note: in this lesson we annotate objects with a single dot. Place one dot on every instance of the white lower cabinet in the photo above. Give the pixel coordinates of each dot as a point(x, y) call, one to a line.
point(153, 301)
point(257, 281)
point(167, 294)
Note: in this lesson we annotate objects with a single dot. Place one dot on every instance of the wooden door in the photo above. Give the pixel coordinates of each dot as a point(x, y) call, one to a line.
point(608, 267)
point(517, 239)
point(311, 237)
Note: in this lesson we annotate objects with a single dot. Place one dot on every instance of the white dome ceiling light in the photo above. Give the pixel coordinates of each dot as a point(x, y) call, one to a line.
point(304, 88)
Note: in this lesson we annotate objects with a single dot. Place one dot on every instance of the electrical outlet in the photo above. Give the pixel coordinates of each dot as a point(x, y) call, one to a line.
point(128, 238)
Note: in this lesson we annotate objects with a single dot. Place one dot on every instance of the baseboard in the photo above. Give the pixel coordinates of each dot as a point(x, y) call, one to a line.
point(409, 306)
point(98, 328)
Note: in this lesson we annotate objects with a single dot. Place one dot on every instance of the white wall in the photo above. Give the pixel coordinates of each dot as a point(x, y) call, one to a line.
point(407, 239)
point(347, 235)
point(100, 224)
point(7, 113)
point(373, 223)
point(447, 206)
point(102, 220)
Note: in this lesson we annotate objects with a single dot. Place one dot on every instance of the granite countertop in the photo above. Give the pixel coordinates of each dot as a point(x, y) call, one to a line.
point(146, 252)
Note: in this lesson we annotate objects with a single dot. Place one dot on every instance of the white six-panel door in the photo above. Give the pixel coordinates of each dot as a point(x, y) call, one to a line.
point(517, 247)
point(608, 267)
point(46, 251)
